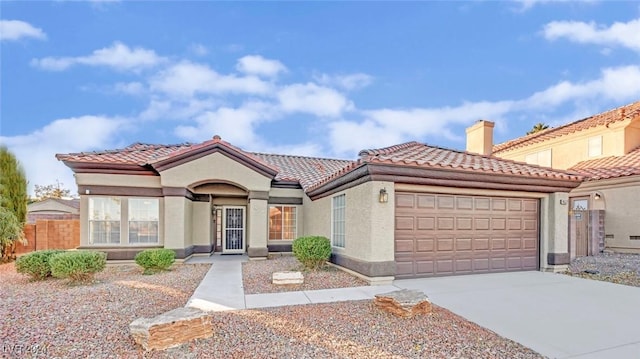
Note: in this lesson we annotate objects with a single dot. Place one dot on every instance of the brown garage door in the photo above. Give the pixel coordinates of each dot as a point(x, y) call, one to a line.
point(442, 234)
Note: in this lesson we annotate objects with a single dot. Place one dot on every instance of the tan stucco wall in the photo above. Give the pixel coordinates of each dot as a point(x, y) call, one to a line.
point(369, 224)
point(286, 192)
point(177, 222)
point(570, 149)
point(98, 179)
point(480, 137)
point(201, 223)
point(214, 167)
point(620, 200)
point(258, 222)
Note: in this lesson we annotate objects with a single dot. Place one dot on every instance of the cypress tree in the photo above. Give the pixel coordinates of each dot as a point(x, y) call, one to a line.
point(13, 185)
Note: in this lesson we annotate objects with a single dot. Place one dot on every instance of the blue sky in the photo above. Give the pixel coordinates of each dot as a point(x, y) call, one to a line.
point(308, 78)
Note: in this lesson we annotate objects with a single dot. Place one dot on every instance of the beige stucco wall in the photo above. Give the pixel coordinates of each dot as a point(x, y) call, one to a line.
point(99, 179)
point(369, 224)
point(620, 198)
point(570, 149)
point(286, 192)
point(214, 167)
point(258, 221)
point(201, 223)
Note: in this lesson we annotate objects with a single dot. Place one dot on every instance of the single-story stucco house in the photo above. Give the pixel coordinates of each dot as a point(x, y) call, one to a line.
point(409, 210)
point(53, 208)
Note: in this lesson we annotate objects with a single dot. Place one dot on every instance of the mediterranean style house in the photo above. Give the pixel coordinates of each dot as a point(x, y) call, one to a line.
point(605, 149)
point(409, 210)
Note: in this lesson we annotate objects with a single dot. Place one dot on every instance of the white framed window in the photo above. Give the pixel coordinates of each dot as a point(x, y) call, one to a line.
point(595, 146)
point(338, 207)
point(282, 223)
point(144, 214)
point(542, 158)
point(104, 220)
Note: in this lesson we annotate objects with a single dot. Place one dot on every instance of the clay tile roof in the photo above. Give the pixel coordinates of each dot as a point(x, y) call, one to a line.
point(610, 167)
point(136, 154)
point(603, 119)
point(421, 155)
point(308, 171)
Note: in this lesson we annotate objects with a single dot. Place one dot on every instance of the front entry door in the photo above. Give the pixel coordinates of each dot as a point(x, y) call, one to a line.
point(579, 226)
point(233, 228)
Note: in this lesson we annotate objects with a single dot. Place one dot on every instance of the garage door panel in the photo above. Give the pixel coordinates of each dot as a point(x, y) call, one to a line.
point(449, 234)
point(405, 200)
point(481, 244)
point(425, 245)
point(405, 223)
point(426, 201)
point(426, 223)
point(463, 244)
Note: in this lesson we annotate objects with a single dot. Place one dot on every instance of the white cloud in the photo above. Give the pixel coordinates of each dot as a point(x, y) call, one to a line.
point(186, 79)
point(313, 99)
point(526, 5)
point(234, 125)
point(130, 88)
point(118, 56)
point(258, 65)
point(620, 34)
point(616, 84)
point(348, 82)
point(36, 151)
point(12, 30)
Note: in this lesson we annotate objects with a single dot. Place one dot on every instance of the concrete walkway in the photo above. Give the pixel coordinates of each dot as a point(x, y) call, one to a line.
point(556, 315)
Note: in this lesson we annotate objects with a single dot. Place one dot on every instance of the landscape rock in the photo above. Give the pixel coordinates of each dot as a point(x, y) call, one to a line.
point(171, 329)
point(287, 277)
point(404, 303)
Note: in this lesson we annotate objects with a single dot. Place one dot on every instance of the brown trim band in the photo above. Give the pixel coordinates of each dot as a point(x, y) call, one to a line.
point(279, 247)
point(370, 269)
point(110, 168)
point(286, 184)
point(186, 193)
point(441, 177)
point(258, 195)
point(260, 252)
point(120, 191)
point(558, 258)
point(285, 200)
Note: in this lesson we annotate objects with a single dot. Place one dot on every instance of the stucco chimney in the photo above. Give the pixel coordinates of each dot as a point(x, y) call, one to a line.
point(480, 137)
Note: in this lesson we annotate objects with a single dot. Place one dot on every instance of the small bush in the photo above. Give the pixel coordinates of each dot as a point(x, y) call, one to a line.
point(312, 251)
point(36, 264)
point(78, 266)
point(155, 260)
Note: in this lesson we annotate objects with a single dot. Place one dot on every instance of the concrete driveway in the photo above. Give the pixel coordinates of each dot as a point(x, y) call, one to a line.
point(556, 315)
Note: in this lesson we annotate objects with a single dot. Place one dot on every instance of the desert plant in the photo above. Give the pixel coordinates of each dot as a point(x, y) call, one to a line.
point(155, 260)
point(36, 264)
point(312, 251)
point(11, 232)
point(78, 266)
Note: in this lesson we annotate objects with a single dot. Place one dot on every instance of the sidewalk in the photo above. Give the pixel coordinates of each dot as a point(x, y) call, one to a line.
point(221, 289)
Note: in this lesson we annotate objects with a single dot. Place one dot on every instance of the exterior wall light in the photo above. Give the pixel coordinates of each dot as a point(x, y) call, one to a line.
point(384, 196)
point(597, 196)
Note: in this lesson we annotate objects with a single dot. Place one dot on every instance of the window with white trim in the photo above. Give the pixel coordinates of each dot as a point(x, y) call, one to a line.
point(595, 146)
point(144, 216)
point(282, 223)
point(338, 221)
point(542, 158)
point(104, 220)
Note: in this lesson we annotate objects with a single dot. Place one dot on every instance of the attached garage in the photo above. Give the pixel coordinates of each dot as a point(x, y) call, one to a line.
point(446, 234)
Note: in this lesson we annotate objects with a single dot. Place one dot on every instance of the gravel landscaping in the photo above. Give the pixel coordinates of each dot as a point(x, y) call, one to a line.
point(54, 320)
point(617, 268)
point(256, 276)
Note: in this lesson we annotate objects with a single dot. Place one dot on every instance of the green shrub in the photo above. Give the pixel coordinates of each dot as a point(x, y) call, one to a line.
point(312, 251)
point(36, 264)
point(78, 266)
point(155, 260)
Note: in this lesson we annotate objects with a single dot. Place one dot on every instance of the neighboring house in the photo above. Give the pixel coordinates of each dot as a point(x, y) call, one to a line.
point(409, 210)
point(53, 208)
point(605, 148)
